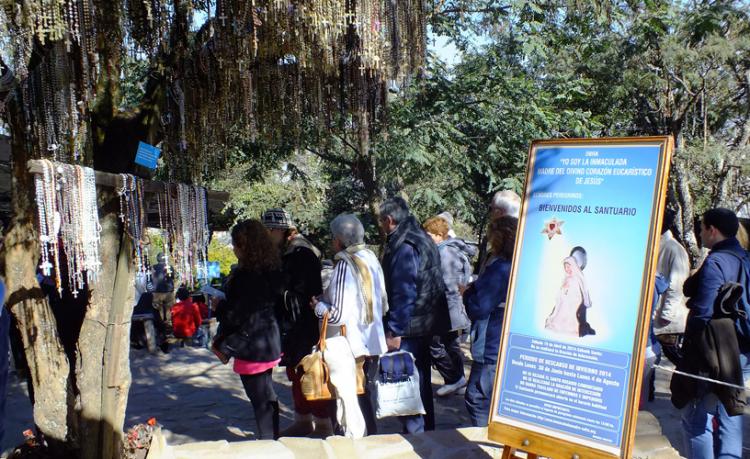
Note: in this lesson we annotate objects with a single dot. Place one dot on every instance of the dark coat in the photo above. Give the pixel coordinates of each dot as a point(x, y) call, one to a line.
point(302, 281)
point(414, 283)
point(711, 348)
point(247, 324)
point(485, 299)
point(723, 264)
point(712, 352)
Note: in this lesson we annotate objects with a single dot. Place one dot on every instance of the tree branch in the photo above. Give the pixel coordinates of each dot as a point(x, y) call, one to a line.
point(348, 144)
point(329, 157)
point(496, 9)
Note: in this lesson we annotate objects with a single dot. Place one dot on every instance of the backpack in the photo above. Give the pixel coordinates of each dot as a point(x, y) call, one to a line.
point(742, 324)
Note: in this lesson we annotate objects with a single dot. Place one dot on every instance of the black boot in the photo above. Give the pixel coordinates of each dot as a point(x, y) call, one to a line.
point(275, 407)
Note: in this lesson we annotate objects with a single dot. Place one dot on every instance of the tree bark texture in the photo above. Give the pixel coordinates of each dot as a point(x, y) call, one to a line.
point(685, 201)
point(80, 395)
point(48, 364)
point(101, 421)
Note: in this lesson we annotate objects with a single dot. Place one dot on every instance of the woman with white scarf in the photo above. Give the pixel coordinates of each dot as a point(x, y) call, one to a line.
point(356, 299)
point(574, 294)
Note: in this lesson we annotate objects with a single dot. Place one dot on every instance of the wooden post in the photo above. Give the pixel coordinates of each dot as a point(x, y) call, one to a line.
point(116, 369)
point(101, 425)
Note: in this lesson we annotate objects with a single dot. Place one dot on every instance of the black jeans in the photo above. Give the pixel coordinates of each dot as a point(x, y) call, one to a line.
point(420, 349)
point(366, 402)
point(259, 389)
point(447, 357)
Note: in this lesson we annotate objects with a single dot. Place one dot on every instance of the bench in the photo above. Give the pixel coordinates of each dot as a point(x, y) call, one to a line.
point(149, 330)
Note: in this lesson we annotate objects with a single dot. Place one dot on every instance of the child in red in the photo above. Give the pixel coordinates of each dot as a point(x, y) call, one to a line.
point(198, 300)
point(186, 318)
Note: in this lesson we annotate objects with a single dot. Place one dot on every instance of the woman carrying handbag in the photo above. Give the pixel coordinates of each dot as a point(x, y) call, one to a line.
point(355, 300)
point(248, 331)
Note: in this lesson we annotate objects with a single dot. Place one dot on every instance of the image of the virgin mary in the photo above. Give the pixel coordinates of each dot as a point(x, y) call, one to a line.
point(569, 313)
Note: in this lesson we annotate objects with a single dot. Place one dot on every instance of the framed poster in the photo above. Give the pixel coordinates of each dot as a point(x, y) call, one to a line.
point(580, 293)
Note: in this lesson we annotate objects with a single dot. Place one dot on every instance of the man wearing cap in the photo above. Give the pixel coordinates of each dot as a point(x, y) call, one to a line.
point(297, 322)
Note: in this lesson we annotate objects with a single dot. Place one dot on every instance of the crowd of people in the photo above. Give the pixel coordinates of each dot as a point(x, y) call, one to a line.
point(423, 296)
point(420, 296)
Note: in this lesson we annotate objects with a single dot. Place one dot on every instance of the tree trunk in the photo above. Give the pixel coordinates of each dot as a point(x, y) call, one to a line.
point(79, 411)
point(101, 421)
point(365, 163)
point(685, 201)
point(49, 367)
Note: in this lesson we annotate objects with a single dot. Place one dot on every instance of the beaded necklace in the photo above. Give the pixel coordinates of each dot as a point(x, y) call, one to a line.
point(183, 220)
point(68, 219)
point(132, 216)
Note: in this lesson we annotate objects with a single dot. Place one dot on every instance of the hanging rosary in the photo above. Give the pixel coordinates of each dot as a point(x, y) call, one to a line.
point(133, 218)
point(183, 219)
point(68, 219)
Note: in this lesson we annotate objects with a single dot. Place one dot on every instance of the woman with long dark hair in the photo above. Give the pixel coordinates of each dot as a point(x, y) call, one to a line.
point(248, 330)
point(485, 300)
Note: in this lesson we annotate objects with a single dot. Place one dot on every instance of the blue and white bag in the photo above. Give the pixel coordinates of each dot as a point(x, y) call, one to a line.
point(397, 386)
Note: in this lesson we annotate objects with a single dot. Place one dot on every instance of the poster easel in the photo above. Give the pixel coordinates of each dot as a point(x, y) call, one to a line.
point(568, 393)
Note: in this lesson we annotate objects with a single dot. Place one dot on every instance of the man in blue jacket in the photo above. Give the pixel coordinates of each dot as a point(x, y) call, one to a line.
point(416, 298)
point(727, 262)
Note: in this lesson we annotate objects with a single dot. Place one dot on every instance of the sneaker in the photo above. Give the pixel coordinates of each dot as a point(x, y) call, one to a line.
point(449, 389)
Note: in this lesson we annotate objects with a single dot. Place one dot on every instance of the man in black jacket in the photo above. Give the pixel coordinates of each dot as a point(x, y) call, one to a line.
point(727, 262)
point(298, 324)
point(417, 305)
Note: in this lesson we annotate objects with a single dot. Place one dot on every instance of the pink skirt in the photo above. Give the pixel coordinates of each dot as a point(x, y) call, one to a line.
point(245, 367)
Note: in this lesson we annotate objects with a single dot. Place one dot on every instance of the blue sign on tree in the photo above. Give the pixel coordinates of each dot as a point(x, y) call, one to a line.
point(147, 155)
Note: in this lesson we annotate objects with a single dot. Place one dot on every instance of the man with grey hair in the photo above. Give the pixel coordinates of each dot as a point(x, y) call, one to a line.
point(505, 202)
point(416, 298)
point(356, 298)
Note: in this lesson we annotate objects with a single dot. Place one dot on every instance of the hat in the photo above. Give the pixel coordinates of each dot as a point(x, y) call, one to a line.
point(277, 219)
point(447, 217)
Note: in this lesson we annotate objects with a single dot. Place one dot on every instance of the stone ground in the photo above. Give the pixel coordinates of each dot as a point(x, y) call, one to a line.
point(196, 398)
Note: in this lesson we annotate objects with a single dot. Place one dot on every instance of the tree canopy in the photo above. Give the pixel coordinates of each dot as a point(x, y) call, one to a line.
point(550, 69)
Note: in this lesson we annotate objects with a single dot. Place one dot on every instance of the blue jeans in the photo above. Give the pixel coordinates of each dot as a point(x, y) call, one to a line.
point(478, 332)
point(420, 349)
point(478, 395)
point(697, 426)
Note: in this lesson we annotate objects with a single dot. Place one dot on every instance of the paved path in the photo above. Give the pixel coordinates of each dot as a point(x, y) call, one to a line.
point(196, 398)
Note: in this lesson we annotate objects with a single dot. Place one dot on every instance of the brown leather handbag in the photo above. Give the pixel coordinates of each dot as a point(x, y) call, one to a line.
point(313, 370)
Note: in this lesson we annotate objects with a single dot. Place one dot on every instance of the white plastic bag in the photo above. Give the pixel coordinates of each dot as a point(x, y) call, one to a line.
point(398, 396)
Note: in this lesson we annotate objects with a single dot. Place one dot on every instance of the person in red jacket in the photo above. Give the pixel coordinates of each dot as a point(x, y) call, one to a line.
point(186, 317)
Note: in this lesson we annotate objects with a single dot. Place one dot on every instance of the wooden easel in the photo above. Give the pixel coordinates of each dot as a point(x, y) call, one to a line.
point(510, 453)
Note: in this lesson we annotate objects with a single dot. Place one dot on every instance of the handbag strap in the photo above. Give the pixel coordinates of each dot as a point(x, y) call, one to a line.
point(323, 331)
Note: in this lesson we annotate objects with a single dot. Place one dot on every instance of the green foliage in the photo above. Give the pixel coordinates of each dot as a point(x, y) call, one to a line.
point(135, 72)
point(298, 185)
point(221, 251)
point(529, 70)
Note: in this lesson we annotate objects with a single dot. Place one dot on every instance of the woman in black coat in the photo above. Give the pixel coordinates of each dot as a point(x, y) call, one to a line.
point(248, 330)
